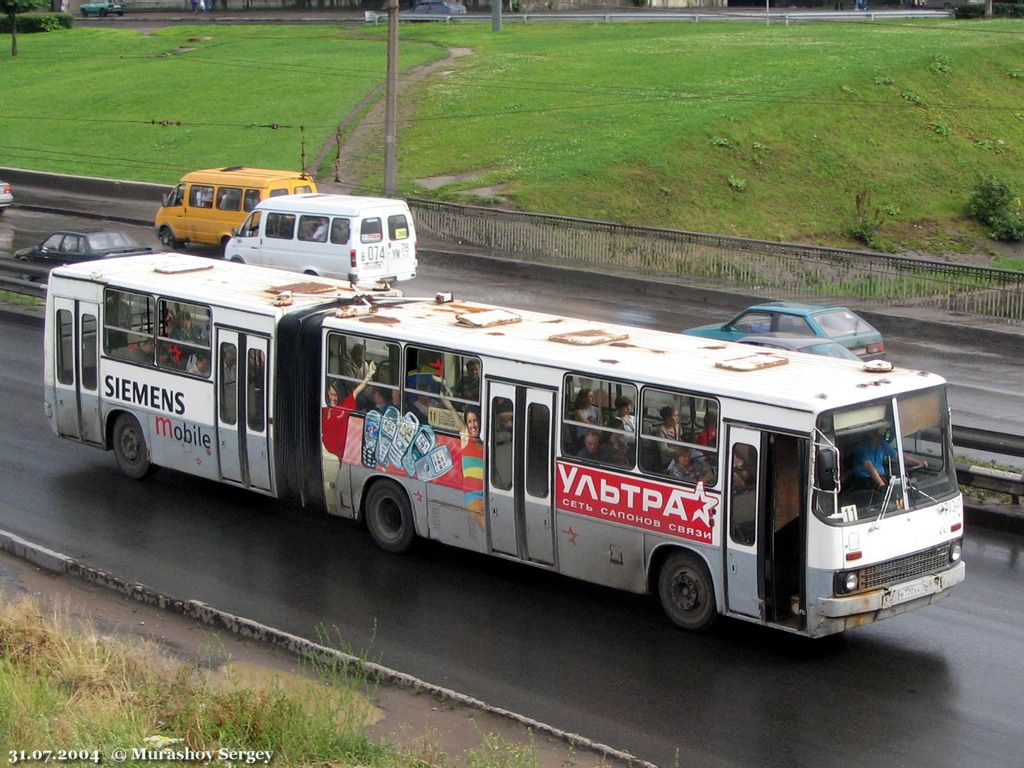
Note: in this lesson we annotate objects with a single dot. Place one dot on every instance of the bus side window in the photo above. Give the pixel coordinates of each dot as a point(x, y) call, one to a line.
point(128, 326)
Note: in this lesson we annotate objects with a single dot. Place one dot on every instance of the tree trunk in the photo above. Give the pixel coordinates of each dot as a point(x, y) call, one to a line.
point(988, 9)
point(14, 33)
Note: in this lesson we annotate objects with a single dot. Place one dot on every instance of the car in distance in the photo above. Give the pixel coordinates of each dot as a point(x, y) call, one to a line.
point(827, 322)
point(6, 196)
point(811, 345)
point(438, 8)
point(71, 247)
point(102, 8)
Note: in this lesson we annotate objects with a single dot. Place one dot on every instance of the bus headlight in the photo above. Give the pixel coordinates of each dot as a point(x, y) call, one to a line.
point(845, 582)
point(956, 550)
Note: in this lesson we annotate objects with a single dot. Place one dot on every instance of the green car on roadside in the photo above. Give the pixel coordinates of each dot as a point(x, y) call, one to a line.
point(102, 8)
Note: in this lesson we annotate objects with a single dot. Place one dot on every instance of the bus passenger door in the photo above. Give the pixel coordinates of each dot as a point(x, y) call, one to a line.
point(744, 587)
point(519, 487)
point(76, 370)
point(242, 398)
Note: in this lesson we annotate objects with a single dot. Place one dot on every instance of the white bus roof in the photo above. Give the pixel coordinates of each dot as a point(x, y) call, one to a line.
point(211, 281)
point(806, 382)
point(327, 204)
point(789, 379)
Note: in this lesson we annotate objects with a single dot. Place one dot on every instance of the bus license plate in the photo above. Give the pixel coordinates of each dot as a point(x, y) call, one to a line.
point(908, 592)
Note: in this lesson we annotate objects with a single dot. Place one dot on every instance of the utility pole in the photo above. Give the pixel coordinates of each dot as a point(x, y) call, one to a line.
point(988, 9)
point(496, 15)
point(391, 104)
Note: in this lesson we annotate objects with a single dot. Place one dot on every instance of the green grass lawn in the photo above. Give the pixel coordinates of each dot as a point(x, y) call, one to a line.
point(723, 127)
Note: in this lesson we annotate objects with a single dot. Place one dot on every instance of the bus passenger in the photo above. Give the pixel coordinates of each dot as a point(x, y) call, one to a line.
point(334, 417)
point(592, 449)
point(468, 386)
point(355, 365)
point(623, 417)
point(689, 466)
point(709, 435)
point(586, 410)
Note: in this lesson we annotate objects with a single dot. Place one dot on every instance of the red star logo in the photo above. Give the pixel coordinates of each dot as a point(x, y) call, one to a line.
point(571, 534)
point(419, 496)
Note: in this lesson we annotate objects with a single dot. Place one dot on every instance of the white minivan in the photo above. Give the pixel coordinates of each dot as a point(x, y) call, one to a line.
point(359, 239)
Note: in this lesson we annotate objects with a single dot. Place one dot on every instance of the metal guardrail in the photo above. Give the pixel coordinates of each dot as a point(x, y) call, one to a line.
point(784, 17)
point(22, 278)
point(783, 270)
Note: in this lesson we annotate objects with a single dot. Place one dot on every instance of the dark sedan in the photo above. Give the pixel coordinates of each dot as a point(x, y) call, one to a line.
point(72, 247)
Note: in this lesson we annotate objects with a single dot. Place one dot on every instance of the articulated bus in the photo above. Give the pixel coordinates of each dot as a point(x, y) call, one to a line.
point(799, 492)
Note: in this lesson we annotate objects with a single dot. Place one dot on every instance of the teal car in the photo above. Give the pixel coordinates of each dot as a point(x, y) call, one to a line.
point(102, 8)
point(836, 323)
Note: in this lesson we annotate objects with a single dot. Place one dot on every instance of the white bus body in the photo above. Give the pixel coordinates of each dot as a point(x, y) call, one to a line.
point(358, 239)
point(509, 433)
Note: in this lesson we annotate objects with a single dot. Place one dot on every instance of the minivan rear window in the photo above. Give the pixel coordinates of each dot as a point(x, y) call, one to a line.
point(280, 225)
point(371, 231)
point(398, 227)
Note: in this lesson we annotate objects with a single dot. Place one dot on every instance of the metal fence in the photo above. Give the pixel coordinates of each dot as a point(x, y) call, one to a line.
point(779, 269)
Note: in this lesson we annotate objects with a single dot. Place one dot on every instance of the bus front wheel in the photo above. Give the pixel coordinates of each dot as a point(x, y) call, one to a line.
point(687, 593)
point(130, 447)
point(389, 517)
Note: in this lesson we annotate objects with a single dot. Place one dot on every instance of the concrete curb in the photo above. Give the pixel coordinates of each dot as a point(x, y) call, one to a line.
point(253, 630)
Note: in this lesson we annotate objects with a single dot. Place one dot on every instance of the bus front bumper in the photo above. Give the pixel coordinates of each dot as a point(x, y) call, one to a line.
point(923, 589)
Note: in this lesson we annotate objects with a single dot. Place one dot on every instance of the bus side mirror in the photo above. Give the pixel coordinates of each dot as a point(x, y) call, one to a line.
point(827, 469)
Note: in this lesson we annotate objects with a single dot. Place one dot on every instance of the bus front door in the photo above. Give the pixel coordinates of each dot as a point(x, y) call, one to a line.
point(77, 401)
point(520, 498)
point(242, 400)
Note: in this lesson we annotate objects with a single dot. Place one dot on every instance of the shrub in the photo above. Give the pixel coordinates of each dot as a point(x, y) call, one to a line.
point(994, 203)
point(37, 22)
point(977, 11)
point(865, 222)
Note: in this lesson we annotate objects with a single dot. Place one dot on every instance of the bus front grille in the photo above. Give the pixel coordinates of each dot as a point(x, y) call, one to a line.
point(904, 568)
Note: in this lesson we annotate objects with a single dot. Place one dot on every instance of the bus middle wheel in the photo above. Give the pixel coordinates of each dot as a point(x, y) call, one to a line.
point(389, 517)
point(686, 592)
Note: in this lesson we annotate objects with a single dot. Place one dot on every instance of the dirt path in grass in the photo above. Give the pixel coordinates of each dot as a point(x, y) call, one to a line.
point(362, 129)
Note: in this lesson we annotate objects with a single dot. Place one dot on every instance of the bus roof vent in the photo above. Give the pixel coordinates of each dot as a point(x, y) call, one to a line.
point(753, 362)
point(182, 266)
point(589, 337)
point(487, 318)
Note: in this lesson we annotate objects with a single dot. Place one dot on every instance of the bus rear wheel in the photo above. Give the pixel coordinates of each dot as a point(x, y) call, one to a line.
point(130, 447)
point(686, 592)
point(389, 517)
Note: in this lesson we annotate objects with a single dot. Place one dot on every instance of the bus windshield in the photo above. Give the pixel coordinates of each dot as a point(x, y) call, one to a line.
point(895, 456)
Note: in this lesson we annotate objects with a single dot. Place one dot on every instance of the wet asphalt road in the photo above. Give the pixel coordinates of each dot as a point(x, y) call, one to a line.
point(938, 687)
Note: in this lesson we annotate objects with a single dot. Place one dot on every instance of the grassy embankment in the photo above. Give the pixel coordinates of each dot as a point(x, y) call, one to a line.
point(64, 686)
point(734, 128)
